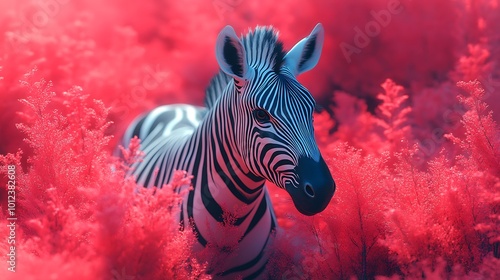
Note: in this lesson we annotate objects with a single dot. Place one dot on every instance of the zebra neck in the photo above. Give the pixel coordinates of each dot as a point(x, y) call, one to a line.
point(229, 171)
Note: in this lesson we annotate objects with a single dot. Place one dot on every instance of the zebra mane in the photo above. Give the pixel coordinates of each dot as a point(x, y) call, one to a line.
point(215, 88)
point(263, 49)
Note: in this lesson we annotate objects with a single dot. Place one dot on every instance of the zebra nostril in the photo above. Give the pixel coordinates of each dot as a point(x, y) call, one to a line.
point(309, 190)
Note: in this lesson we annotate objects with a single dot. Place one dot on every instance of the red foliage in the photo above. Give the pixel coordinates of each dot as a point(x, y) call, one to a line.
point(393, 116)
point(417, 169)
point(359, 128)
point(480, 149)
point(77, 217)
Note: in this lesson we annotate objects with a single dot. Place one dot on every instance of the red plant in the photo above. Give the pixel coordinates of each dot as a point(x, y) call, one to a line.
point(481, 156)
point(393, 116)
point(74, 207)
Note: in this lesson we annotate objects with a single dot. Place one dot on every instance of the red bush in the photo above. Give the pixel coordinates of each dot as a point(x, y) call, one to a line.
point(77, 217)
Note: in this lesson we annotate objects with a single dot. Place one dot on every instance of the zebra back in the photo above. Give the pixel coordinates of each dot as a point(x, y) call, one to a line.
point(215, 89)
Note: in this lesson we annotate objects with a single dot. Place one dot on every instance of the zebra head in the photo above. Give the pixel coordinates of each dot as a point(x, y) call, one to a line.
point(272, 113)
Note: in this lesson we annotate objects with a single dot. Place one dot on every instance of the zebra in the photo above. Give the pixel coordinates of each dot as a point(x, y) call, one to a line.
point(257, 125)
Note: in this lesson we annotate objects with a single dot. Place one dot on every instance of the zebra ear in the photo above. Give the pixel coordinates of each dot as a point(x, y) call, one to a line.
point(230, 54)
point(305, 54)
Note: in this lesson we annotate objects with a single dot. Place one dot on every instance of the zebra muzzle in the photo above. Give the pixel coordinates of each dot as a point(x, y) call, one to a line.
point(316, 186)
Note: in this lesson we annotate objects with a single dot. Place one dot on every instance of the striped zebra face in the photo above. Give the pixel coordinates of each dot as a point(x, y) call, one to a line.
point(273, 113)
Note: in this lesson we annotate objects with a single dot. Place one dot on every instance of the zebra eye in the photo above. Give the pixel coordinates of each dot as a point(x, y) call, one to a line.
point(261, 115)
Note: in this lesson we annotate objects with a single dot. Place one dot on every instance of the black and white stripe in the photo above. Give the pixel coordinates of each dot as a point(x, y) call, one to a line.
point(257, 127)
